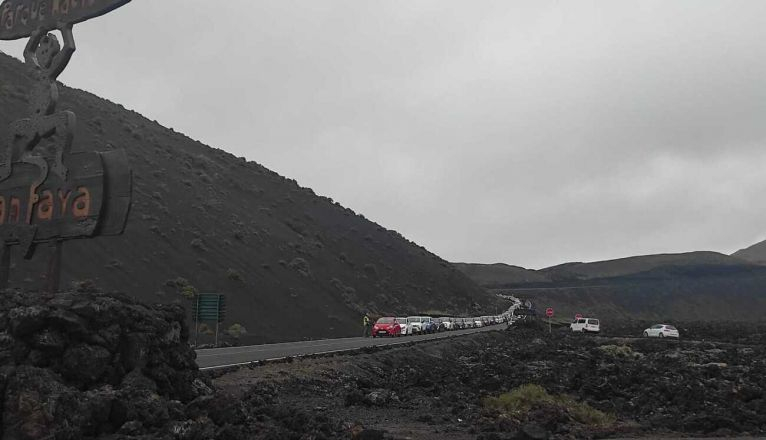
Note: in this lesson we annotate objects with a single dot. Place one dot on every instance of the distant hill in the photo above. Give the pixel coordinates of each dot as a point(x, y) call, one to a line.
point(501, 274)
point(294, 265)
point(694, 285)
point(633, 265)
point(754, 254)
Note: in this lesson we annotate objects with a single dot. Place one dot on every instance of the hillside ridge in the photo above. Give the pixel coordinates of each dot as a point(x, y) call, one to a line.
point(294, 265)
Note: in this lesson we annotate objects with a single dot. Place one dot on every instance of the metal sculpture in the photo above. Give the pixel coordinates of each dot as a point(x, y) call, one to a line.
point(50, 198)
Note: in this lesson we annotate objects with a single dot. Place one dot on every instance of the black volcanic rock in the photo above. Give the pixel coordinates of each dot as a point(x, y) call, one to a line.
point(205, 220)
point(81, 364)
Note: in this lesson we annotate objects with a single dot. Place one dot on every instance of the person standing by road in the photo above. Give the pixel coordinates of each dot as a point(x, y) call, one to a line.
point(366, 324)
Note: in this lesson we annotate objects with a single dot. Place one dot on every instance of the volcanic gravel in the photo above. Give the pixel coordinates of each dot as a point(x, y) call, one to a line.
point(711, 386)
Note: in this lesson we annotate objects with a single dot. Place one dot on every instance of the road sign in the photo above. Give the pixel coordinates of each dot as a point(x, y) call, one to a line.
point(578, 316)
point(209, 307)
point(549, 312)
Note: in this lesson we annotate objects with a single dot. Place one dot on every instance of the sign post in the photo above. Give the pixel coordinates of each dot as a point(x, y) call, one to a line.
point(209, 307)
point(549, 314)
point(62, 196)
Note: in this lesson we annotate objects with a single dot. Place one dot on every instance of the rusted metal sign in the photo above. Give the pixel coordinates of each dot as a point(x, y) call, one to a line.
point(49, 195)
point(19, 18)
point(94, 200)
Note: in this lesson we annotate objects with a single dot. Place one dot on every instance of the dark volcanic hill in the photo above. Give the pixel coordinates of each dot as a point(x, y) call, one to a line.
point(633, 265)
point(689, 286)
point(293, 264)
point(755, 254)
point(500, 274)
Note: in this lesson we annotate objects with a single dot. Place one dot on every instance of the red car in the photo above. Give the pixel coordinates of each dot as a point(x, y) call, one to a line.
point(386, 327)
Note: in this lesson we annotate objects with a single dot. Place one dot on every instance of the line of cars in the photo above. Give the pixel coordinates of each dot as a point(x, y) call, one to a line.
point(390, 326)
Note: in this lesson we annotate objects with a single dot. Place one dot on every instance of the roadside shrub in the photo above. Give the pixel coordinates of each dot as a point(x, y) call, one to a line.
point(527, 397)
point(233, 275)
point(183, 287)
point(198, 244)
point(301, 266)
point(619, 351)
point(236, 330)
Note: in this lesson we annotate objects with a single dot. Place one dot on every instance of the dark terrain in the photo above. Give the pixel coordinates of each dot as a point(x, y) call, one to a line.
point(205, 220)
point(86, 365)
point(713, 385)
point(689, 286)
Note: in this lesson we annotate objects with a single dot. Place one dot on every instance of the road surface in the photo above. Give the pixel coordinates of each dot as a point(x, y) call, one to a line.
point(231, 356)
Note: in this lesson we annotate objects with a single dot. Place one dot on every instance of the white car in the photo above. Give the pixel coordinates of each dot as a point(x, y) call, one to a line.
point(406, 329)
point(447, 323)
point(585, 325)
point(415, 324)
point(661, 331)
point(477, 322)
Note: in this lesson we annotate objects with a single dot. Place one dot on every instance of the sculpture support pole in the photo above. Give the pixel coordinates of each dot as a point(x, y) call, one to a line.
point(53, 280)
point(5, 265)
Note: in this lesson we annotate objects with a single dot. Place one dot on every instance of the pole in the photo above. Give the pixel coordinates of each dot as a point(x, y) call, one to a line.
point(54, 267)
point(549, 326)
point(195, 310)
point(5, 265)
point(217, 318)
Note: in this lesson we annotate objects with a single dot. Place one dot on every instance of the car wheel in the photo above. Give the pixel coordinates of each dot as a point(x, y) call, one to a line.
point(646, 334)
point(662, 335)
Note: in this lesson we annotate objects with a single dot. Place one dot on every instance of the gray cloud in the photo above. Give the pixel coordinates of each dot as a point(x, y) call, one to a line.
point(529, 132)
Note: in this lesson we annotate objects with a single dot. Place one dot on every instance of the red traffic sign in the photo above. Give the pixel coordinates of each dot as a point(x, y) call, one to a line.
point(578, 316)
point(549, 312)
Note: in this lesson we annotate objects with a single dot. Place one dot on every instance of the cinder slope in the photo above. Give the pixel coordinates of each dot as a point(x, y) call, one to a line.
point(293, 264)
point(754, 254)
point(499, 274)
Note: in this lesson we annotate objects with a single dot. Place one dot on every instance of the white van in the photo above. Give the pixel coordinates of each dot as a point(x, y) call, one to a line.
point(585, 325)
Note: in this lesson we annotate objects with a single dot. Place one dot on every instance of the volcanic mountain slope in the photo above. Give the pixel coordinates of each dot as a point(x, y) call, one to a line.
point(755, 254)
point(500, 274)
point(293, 264)
point(694, 285)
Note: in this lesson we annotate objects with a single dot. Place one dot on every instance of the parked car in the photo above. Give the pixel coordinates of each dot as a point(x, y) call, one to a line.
point(477, 322)
point(406, 329)
point(585, 325)
point(447, 323)
point(661, 331)
point(386, 327)
point(429, 325)
point(416, 324)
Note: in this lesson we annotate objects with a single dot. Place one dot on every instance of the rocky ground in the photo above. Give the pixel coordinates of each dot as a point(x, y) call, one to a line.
point(712, 386)
point(84, 365)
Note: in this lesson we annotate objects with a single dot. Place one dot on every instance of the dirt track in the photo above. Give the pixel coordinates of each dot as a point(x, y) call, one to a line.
point(653, 388)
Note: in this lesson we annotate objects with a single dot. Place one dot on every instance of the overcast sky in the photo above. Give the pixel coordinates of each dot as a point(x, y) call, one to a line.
point(525, 132)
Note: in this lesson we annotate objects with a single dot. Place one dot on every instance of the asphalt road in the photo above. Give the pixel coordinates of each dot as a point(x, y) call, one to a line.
point(226, 357)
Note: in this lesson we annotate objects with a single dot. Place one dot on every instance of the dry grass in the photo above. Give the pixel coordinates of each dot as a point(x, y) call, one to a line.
point(527, 397)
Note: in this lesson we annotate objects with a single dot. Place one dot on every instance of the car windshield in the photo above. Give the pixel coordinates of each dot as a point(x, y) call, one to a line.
point(386, 321)
point(401, 320)
point(593, 321)
point(413, 319)
point(657, 326)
